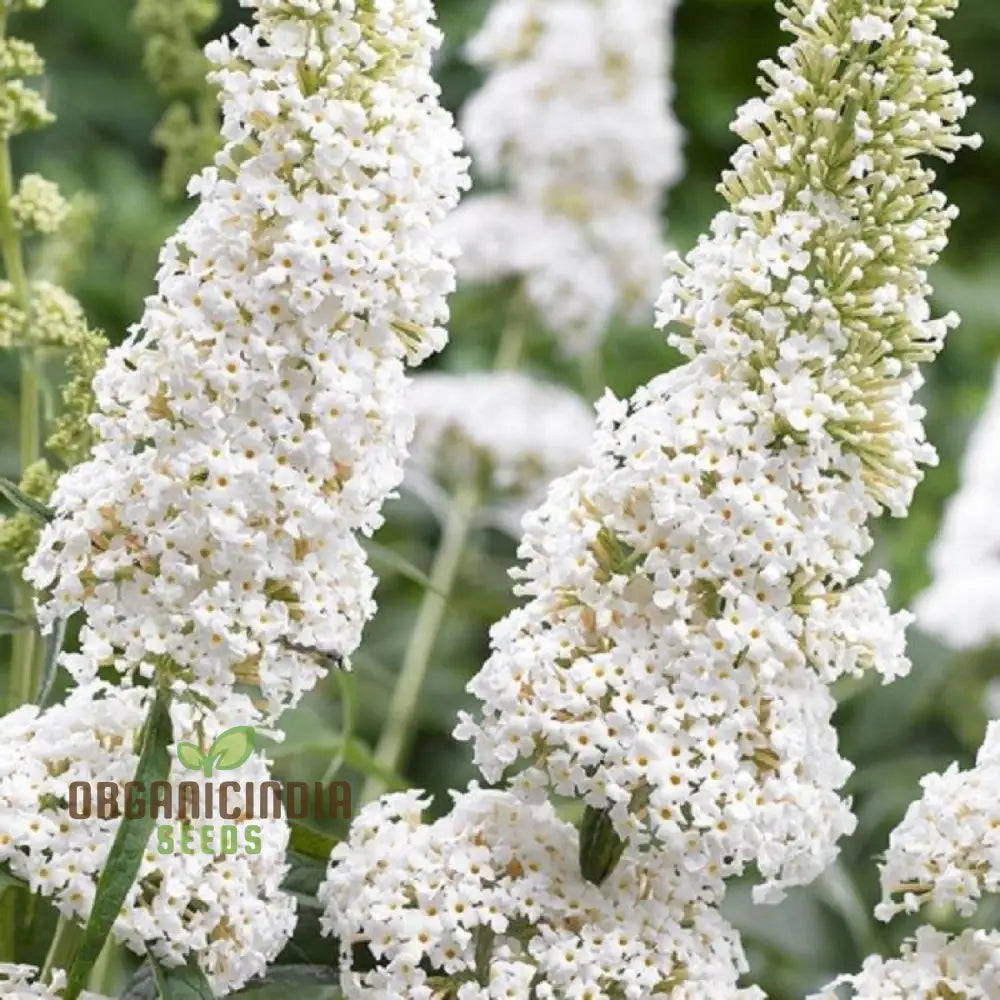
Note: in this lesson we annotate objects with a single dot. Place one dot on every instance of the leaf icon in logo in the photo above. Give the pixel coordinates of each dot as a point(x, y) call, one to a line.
point(190, 756)
point(232, 748)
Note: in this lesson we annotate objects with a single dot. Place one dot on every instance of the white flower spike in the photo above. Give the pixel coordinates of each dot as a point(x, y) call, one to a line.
point(693, 591)
point(255, 421)
point(574, 117)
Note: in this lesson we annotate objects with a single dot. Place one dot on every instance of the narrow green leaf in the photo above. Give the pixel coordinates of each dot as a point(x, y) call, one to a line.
point(11, 622)
point(360, 756)
point(394, 561)
point(54, 643)
point(232, 748)
point(837, 889)
point(311, 842)
point(185, 982)
point(130, 842)
point(27, 505)
point(9, 880)
point(485, 938)
point(304, 982)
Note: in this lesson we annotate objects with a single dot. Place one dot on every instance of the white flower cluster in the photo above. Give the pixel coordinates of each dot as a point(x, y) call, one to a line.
point(962, 605)
point(931, 967)
point(38, 206)
point(692, 592)
point(574, 119)
point(947, 848)
point(492, 898)
point(514, 432)
point(256, 420)
point(250, 429)
point(19, 982)
point(224, 904)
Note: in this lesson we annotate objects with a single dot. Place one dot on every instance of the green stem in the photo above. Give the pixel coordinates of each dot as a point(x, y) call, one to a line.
point(396, 735)
point(9, 921)
point(62, 949)
point(592, 374)
point(25, 646)
point(106, 972)
point(511, 346)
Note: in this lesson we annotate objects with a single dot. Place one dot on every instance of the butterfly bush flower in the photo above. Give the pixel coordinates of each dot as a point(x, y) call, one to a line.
point(19, 982)
point(224, 908)
point(513, 431)
point(574, 119)
point(489, 902)
point(947, 848)
point(255, 420)
point(932, 966)
point(962, 605)
point(692, 591)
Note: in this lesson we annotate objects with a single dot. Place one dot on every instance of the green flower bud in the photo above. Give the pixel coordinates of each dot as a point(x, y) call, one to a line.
point(22, 109)
point(19, 58)
point(38, 206)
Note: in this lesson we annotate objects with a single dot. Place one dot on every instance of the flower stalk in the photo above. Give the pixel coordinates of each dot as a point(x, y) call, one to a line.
point(462, 507)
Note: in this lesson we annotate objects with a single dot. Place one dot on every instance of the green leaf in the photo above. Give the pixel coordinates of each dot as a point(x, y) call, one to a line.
point(142, 986)
point(131, 838)
point(838, 890)
point(360, 756)
point(311, 842)
point(27, 505)
point(9, 880)
point(305, 875)
point(393, 560)
point(11, 622)
point(233, 748)
point(190, 756)
point(345, 684)
point(304, 982)
point(600, 846)
point(309, 944)
point(185, 982)
point(54, 642)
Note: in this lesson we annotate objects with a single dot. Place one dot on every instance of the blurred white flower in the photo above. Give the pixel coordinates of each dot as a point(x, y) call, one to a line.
point(224, 908)
point(255, 421)
point(946, 850)
point(962, 605)
point(490, 900)
point(574, 120)
point(19, 982)
point(693, 591)
point(932, 966)
point(511, 432)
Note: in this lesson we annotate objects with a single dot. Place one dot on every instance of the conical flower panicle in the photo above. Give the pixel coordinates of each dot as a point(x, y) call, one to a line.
point(255, 420)
point(693, 591)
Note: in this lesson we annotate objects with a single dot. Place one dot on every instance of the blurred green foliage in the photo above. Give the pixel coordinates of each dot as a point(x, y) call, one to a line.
point(102, 145)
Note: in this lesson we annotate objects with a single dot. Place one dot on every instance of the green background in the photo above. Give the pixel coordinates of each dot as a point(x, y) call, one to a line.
point(101, 145)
